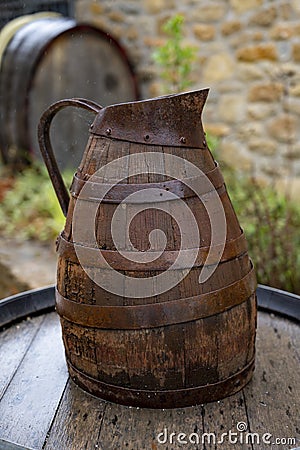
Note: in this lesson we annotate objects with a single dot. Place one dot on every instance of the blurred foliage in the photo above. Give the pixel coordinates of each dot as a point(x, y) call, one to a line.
point(30, 209)
point(271, 221)
point(174, 57)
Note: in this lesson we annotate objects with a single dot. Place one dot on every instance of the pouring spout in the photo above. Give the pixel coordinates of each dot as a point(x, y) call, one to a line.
point(171, 120)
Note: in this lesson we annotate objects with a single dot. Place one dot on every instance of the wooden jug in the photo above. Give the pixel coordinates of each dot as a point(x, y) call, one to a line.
point(159, 309)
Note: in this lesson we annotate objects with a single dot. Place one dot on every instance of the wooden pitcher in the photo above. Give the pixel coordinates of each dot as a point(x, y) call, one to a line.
point(129, 336)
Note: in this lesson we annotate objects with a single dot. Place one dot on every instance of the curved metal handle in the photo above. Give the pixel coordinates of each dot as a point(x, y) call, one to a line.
point(46, 147)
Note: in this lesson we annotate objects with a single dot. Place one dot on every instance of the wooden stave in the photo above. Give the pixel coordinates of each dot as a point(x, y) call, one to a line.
point(71, 330)
point(120, 357)
point(97, 372)
point(94, 294)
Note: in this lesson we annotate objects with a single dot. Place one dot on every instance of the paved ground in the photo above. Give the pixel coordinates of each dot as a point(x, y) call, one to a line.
point(25, 265)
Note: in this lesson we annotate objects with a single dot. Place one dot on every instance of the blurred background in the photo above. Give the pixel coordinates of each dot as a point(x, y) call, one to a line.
point(246, 51)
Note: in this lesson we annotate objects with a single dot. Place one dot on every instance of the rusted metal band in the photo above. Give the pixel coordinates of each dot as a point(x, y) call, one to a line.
point(177, 398)
point(159, 261)
point(172, 120)
point(117, 193)
point(153, 315)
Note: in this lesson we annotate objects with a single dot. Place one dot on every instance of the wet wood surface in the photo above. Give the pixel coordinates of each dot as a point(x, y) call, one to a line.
point(41, 408)
point(158, 355)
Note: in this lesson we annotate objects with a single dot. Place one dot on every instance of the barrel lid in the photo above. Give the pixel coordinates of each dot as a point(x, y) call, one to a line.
point(173, 120)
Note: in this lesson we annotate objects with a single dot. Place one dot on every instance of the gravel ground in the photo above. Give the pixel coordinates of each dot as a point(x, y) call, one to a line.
point(25, 265)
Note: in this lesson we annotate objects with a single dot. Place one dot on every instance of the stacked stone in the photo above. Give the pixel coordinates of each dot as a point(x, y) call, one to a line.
point(248, 53)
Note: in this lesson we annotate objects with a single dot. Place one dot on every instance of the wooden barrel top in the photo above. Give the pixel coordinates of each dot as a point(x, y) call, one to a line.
point(41, 408)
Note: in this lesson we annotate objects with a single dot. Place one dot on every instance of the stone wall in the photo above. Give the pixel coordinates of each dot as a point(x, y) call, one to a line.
point(248, 54)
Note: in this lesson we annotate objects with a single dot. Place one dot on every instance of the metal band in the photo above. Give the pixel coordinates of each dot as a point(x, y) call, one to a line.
point(154, 315)
point(233, 249)
point(177, 398)
point(173, 120)
point(117, 193)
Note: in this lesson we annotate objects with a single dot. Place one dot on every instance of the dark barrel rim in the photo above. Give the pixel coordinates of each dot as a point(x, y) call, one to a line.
point(42, 300)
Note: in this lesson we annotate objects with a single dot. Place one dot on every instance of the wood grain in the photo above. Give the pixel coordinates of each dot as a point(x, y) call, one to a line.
point(137, 429)
point(273, 398)
point(14, 343)
point(77, 424)
point(269, 404)
point(29, 403)
point(164, 358)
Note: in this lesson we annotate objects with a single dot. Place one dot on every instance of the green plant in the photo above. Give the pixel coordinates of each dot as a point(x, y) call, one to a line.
point(174, 58)
point(271, 222)
point(30, 208)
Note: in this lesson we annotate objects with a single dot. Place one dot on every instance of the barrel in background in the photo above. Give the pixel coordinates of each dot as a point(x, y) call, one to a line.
point(11, 9)
point(53, 58)
point(184, 345)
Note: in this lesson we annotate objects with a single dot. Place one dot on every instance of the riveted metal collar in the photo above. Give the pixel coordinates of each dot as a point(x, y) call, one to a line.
point(173, 120)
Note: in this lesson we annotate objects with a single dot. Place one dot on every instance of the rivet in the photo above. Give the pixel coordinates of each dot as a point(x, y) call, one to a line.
point(108, 131)
point(183, 140)
point(204, 143)
point(92, 126)
point(146, 137)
